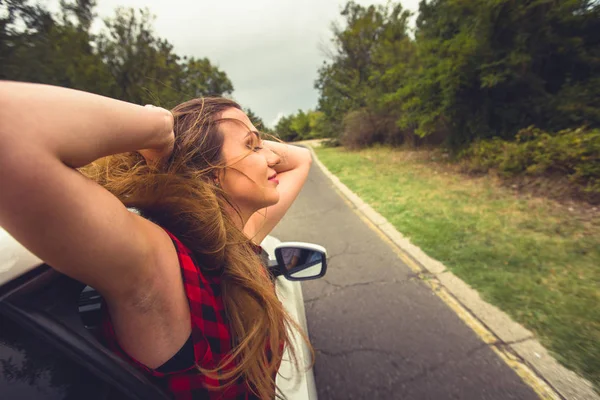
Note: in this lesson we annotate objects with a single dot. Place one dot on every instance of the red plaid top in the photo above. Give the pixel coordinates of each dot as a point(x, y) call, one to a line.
point(211, 337)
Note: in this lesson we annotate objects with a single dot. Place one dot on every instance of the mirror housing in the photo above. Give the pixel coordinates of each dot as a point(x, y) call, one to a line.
point(299, 261)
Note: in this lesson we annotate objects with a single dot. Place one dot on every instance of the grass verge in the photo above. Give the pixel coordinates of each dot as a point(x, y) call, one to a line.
point(536, 259)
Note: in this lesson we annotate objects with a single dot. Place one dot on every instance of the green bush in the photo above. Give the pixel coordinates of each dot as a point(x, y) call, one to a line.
point(359, 130)
point(331, 142)
point(574, 153)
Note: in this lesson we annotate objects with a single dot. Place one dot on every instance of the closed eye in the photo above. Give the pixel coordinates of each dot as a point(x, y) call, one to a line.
point(254, 144)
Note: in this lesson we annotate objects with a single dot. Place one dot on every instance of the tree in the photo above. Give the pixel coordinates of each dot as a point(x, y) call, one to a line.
point(491, 68)
point(126, 61)
point(373, 42)
point(201, 78)
point(342, 82)
point(146, 68)
point(257, 121)
point(284, 130)
point(316, 120)
point(143, 66)
point(475, 69)
point(301, 126)
point(39, 47)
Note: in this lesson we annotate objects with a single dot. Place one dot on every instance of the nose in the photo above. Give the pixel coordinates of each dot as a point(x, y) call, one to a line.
point(273, 158)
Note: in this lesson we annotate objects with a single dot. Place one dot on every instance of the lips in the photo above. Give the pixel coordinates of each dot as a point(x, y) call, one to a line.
point(273, 178)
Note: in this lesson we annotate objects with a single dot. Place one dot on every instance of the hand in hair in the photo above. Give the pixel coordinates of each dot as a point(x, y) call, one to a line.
point(163, 150)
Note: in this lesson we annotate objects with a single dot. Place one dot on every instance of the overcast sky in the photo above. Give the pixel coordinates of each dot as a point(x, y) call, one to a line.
point(270, 49)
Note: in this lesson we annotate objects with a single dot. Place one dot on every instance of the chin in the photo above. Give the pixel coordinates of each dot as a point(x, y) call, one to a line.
point(273, 200)
point(272, 203)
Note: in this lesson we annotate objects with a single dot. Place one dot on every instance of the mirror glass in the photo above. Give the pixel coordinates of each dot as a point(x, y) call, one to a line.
point(301, 263)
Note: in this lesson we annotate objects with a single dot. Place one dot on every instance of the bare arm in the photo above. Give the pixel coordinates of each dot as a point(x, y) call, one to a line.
point(67, 220)
point(78, 127)
point(291, 173)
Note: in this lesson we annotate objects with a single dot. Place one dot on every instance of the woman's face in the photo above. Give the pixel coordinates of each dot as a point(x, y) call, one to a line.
point(249, 164)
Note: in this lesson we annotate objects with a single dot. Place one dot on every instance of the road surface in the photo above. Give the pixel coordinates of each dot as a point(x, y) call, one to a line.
point(379, 332)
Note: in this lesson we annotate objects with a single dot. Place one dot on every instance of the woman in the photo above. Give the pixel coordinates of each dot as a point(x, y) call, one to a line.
point(187, 298)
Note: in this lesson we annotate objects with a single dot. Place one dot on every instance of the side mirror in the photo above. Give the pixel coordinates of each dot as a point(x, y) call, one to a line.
point(299, 261)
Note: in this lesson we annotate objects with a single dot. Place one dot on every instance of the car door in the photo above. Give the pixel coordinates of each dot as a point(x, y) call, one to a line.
point(47, 353)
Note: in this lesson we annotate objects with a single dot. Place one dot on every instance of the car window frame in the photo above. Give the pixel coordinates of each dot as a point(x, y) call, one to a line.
point(44, 303)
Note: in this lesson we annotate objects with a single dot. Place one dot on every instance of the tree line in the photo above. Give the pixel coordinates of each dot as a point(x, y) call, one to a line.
point(126, 60)
point(510, 85)
point(473, 69)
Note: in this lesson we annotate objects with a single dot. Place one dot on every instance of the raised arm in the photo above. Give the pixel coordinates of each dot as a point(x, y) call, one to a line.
point(291, 173)
point(70, 222)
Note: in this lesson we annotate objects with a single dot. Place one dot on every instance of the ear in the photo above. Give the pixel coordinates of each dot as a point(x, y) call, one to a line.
point(216, 178)
point(218, 175)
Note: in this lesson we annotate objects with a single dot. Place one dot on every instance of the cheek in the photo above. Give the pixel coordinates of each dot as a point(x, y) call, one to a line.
point(247, 175)
point(248, 183)
point(255, 166)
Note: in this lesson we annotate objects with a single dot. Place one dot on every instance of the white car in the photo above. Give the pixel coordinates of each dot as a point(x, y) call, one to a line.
point(48, 322)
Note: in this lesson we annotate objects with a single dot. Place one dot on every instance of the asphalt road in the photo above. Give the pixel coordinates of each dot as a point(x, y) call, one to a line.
point(378, 331)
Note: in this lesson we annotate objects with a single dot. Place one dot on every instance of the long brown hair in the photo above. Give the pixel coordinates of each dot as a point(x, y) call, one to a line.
point(181, 195)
